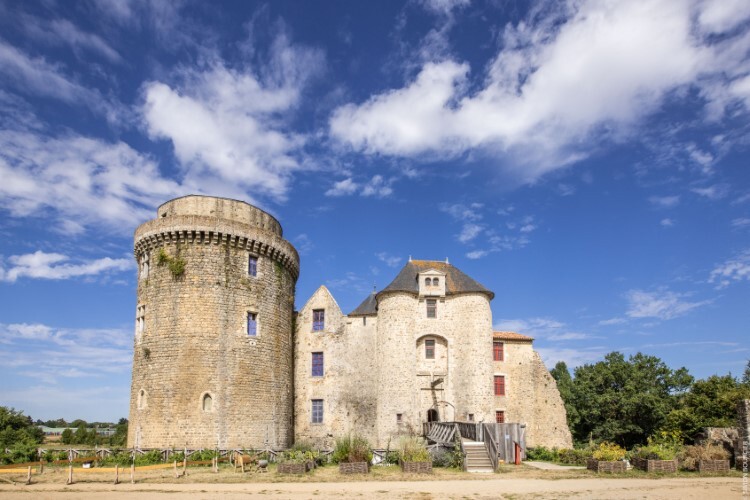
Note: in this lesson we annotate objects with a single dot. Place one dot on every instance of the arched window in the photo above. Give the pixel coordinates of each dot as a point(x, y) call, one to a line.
point(208, 402)
point(435, 281)
point(427, 282)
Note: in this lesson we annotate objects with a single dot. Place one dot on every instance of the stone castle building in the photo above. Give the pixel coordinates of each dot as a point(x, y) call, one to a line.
point(221, 358)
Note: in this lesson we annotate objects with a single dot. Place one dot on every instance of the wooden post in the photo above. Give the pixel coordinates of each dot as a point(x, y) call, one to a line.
point(28, 476)
point(184, 466)
point(117, 473)
point(70, 474)
point(132, 473)
point(41, 467)
point(175, 469)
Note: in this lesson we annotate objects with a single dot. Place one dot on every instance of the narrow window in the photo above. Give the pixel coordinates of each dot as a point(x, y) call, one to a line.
point(252, 265)
point(429, 348)
point(145, 265)
point(471, 417)
point(435, 281)
point(364, 320)
point(141, 399)
point(317, 364)
point(500, 417)
point(140, 321)
point(427, 281)
point(317, 411)
point(252, 324)
point(208, 402)
point(431, 308)
point(497, 350)
point(499, 385)
point(399, 418)
point(319, 320)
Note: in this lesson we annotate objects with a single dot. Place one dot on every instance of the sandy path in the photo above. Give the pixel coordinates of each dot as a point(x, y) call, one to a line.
point(668, 488)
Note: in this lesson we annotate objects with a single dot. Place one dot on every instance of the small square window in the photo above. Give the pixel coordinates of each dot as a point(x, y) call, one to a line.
point(252, 265)
point(319, 320)
point(431, 308)
point(500, 417)
point(317, 364)
point(471, 417)
point(252, 324)
point(317, 411)
point(429, 349)
point(399, 418)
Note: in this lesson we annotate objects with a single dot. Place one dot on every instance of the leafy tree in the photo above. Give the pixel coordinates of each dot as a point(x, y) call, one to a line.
point(746, 375)
point(709, 403)
point(565, 385)
point(625, 401)
point(17, 429)
point(67, 436)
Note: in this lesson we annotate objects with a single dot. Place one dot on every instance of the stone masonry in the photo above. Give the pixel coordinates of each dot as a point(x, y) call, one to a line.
point(222, 360)
point(199, 378)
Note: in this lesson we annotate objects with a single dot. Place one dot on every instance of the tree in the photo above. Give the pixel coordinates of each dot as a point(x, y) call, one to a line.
point(17, 429)
point(625, 401)
point(746, 375)
point(67, 436)
point(565, 386)
point(709, 403)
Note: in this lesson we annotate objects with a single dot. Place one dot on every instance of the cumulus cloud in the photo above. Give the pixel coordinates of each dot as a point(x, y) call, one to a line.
point(715, 192)
point(469, 232)
point(733, 270)
point(55, 266)
point(388, 259)
point(229, 125)
point(565, 78)
point(667, 222)
point(661, 304)
point(343, 188)
point(83, 181)
point(377, 186)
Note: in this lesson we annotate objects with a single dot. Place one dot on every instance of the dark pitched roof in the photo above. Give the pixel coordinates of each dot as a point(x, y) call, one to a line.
point(368, 307)
point(455, 280)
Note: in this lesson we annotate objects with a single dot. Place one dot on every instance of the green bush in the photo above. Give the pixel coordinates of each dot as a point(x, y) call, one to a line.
point(413, 449)
point(542, 454)
point(351, 449)
point(574, 456)
point(149, 458)
point(609, 452)
point(443, 457)
point(122, 458)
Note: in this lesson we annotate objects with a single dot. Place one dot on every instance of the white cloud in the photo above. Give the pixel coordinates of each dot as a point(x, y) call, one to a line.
point(378, 187)
point(388, 259)
point(719, 16)
point(55, 266)
point(541, 328)
point(564, 79)
point(343, 188)
point(83, 181)
point(667, 222)
point(741, 222)
point(303, 244)
point(477, 254)
point(229, 125)
point(571, 357)
point(62, 31)
point(736, 269)
point(469, 232)
point(464, 213)
point(612, 321)
point(662, 304)
point(665, 201)
point(715, 192)
point(443, 6)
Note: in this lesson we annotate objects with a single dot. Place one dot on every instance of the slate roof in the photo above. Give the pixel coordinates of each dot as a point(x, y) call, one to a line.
point(511, 336)
point(368, 307)
point(455, 280)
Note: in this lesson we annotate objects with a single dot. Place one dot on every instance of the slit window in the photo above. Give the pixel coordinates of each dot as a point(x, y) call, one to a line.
point(317, 411)
point(319, 320)
point(317, 364)
point(431, 308)
point(499, 385)
point(252, 265)
point(498, 351)
point(429, 349)
point(208, 402)
point(252, 324)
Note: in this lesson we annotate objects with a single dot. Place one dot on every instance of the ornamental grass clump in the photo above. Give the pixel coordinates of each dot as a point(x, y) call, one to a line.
point(691, 455)
point(413, 449)
point(352, 448)
point(608, 452)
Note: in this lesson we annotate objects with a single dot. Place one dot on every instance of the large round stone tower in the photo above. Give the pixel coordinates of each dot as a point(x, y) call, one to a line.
point(213, 356)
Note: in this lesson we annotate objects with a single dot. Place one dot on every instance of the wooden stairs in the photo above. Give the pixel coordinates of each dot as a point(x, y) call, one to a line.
point(477, 459)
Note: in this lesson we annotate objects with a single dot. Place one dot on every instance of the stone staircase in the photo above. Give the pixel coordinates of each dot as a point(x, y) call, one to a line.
point(477, 459)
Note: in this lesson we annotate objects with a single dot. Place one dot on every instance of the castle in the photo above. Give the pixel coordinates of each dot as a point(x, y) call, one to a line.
point(221, 358)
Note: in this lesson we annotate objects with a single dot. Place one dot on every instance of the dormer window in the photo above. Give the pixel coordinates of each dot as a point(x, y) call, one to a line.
point(431, 283)
point(435, 281)
point(428, 282)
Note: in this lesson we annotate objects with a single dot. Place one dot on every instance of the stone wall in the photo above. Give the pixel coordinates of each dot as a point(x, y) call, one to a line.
point(532, 397)
point(194, 341)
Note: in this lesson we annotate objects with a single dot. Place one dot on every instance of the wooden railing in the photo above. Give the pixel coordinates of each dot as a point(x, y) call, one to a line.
point(490, 444)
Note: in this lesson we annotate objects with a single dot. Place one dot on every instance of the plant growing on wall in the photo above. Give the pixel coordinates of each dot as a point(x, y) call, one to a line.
point(175, 264)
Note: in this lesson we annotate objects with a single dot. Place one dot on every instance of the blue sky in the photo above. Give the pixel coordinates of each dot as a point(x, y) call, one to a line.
point(586, 160)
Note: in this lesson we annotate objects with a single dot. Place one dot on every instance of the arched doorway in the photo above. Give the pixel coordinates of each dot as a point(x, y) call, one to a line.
point(432, 415)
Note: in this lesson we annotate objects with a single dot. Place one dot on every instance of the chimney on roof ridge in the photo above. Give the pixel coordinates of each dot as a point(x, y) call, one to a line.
point(410, 258)
point(446, 260)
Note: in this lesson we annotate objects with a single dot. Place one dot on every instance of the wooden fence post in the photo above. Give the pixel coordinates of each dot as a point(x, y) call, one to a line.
point(175, 469)
point(184, 466)
point(28, 476)
point(41, 467)
point(132, 473)
point(117, 473)
point(70, 474)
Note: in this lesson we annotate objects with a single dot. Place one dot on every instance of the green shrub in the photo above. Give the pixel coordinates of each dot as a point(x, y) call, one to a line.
point(122, 458)
point(609, 452)
point(447, 457)
point(574, 456)
point(413, 449)
point(149, 458)
point(541, 453)
point(351, 449)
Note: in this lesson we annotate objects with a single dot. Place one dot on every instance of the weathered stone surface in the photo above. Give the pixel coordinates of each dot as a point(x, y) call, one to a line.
point(195, 340)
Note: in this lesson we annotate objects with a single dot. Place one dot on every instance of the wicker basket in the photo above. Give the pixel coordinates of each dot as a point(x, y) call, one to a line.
point(417, 467)
point(354, 468)
point(654, 465)
point(602, 466)
point(713, 466)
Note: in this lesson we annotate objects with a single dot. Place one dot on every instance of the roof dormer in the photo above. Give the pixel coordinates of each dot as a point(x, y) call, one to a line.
point(431, 283)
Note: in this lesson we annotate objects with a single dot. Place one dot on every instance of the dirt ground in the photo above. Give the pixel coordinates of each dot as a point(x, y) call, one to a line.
point(516, 483)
